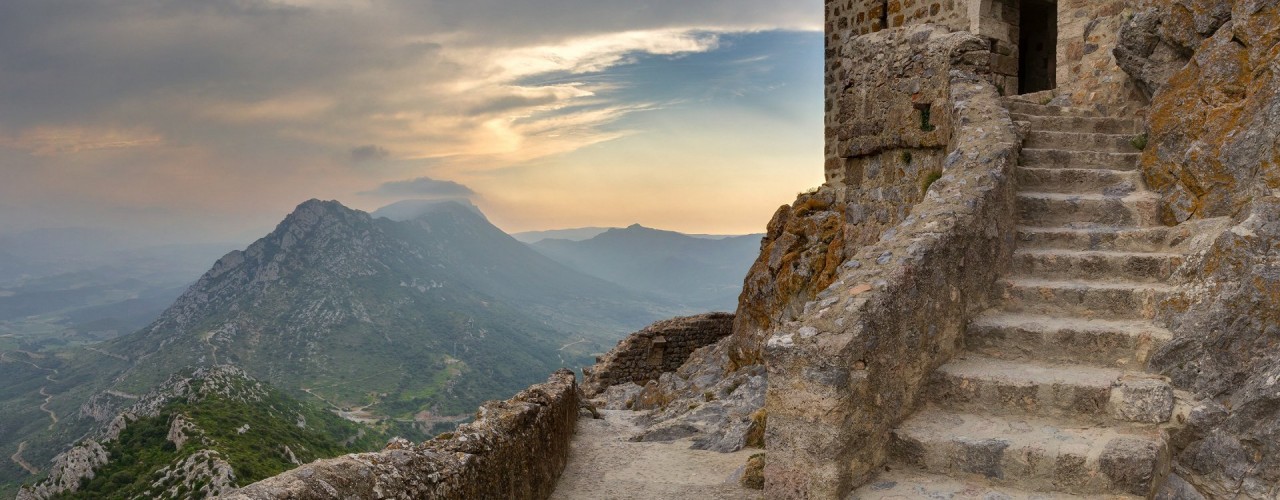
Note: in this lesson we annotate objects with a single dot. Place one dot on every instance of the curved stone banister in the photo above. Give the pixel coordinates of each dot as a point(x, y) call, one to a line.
point(515, 449)
point(854, 365)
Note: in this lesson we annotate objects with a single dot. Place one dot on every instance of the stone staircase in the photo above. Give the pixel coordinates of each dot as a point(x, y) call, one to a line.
point(1049, 398)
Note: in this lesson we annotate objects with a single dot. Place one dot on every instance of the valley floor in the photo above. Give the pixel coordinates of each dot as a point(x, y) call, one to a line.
point(604, 465)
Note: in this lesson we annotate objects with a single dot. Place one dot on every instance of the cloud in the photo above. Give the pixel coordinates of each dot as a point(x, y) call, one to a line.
point(422, 188)
point(63, 140)
point(235, 107)
point(369, 152)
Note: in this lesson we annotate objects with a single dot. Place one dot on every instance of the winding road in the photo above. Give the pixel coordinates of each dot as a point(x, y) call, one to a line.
point(45, 406)
point(17, 458)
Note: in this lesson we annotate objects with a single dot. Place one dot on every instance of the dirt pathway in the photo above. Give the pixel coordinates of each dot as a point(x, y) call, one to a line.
point(45, 406)
point(17, 458)
point(604, 465)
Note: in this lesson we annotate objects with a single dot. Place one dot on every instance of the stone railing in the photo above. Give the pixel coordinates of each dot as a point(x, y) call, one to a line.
point(658, 348)
point(515, 449)
point(854, 365)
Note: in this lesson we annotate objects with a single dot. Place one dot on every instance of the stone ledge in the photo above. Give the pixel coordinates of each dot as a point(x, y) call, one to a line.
point(515, 449)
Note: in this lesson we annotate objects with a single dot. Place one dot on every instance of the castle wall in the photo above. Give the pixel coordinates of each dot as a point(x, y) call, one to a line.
point(1084, 67)
point(658, 348)
point(515, 449)
point(853, 364)
point(1088, 31)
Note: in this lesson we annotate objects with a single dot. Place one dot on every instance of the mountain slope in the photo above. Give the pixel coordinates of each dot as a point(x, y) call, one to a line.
point(699, 273)
point(436, 312)
point(414, 321)
point(198, 434)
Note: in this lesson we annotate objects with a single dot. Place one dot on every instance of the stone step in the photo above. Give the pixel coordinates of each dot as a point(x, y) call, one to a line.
point(1112, 343)
point(1120, 239)
point(1027, 108)
point(902, 482)
point(1059, 158)
point(1142, 267)
point(1087, 394)
point(1033, 454)
point(1078, 141)
point(1063, 209)
point(1079, 180)
point(1083, 299)
point(1080, 124)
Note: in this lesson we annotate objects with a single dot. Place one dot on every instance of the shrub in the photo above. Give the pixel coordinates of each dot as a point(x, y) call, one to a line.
point(929, 179)
point(1139, 142)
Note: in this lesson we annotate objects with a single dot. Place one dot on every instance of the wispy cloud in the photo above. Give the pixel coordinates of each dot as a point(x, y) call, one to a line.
point(252, 105)
point(422, 188)
point(63, 140)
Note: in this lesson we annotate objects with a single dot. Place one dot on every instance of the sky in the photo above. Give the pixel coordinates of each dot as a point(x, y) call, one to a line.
point(209, 120)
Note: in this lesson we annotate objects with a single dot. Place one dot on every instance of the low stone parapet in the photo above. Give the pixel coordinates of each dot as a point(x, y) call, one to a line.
point(658, 348)
point(515, 449)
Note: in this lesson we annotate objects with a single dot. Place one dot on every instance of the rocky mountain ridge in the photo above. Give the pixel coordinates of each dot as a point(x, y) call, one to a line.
point(198, 434)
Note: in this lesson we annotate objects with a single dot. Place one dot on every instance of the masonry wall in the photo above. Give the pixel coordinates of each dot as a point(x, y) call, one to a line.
point(515, 449)
point(1088, 31)
point(658, 348)
point(853, 364)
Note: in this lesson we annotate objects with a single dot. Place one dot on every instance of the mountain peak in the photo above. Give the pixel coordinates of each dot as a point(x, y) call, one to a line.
point(636, 226)
point(406, 210)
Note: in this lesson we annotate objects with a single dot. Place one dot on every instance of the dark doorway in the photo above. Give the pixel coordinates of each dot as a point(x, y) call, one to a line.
point(1038, 46)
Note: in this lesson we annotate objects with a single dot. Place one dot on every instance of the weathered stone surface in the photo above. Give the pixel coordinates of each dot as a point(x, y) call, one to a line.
point(515, 449)
point(1134, 464)
point(1214, 131)
point(799, 256)
point(658, 348)
point(1141, 399)
point(720, 408)
point(1214, 124)
point(1148, 58)
point(854, 364)
point(1227, 349)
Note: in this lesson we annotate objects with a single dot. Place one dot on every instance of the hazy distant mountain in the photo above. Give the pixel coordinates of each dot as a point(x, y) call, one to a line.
point(574, 234)
point(422, 318)
point(441, 311)
point(701, 273)
point(586, 233)
point(411, 209)
point(95, 290)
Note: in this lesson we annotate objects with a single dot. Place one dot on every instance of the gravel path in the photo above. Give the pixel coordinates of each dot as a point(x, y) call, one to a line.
point(604, 465)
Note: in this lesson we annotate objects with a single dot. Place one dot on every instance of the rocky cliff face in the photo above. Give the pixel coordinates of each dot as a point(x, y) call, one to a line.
point(165, 444)
point(800, 256)
point(1215, 118)
point(1214, 155)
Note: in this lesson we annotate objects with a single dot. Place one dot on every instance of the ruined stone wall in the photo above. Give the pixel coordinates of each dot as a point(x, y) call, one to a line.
point(855, 362)
point(1214, 156)
point(515, 449)
point(658, 348)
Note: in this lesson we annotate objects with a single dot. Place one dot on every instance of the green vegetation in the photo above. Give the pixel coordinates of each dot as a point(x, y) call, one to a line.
point(925, 118)
point(928, 180)
point(907, 157)
point(248, 433)
point(1139, 142)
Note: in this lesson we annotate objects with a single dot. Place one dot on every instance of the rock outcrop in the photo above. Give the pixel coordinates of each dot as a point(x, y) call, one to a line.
point(799, 256)
point(1214, 122)
point(1214, 156)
